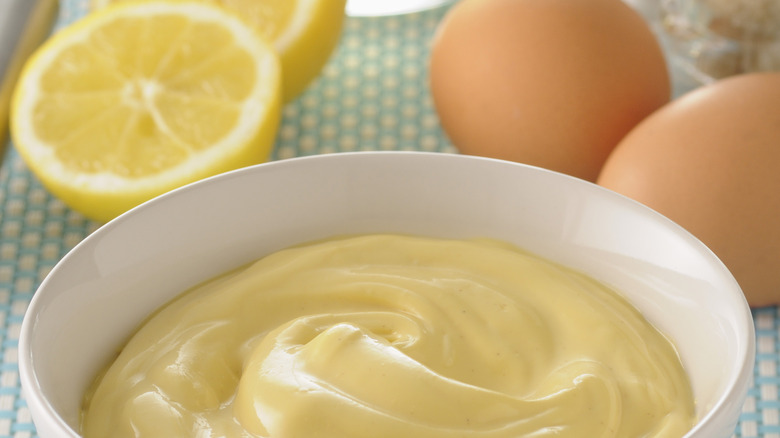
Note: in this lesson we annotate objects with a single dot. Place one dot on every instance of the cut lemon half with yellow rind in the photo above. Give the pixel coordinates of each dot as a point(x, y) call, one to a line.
point(304, 32)
point(140, 98)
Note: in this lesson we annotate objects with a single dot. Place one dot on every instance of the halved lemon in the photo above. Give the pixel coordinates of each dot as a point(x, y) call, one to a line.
point(304, 32)
point(140, 98)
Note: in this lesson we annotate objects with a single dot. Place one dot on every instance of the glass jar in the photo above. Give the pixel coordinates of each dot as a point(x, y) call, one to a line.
point(713, 39)
point(374, 8)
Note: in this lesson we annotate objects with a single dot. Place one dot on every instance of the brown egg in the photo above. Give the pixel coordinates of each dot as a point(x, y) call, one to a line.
point(553, 83)
point(710, 161)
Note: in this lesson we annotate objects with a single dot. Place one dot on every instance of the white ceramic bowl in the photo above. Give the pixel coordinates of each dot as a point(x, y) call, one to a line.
point(105, 286)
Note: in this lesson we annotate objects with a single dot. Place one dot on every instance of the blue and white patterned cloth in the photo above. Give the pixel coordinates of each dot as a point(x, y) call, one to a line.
point(373, 95)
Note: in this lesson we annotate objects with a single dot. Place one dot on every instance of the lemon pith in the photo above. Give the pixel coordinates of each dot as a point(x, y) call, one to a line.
point(140, 98)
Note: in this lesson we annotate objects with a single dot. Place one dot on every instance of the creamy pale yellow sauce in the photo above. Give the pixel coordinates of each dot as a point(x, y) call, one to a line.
point(395, 336)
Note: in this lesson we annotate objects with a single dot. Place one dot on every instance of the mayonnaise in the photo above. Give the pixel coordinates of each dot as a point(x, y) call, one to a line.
point(395, 336)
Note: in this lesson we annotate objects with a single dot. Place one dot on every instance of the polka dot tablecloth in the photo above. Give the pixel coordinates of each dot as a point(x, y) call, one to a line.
point(372, 95)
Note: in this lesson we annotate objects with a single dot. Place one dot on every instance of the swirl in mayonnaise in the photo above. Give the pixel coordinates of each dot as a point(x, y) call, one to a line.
point(395, 336)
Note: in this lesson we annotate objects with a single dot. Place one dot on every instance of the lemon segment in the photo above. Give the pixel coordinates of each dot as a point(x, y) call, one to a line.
point(304, 32)
point(140, 98)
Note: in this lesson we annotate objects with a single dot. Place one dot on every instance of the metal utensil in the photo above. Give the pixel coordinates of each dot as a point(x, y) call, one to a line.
point(24, 24)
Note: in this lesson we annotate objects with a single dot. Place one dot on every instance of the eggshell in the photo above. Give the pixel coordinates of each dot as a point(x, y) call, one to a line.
point(711, 162)
point(552, 83)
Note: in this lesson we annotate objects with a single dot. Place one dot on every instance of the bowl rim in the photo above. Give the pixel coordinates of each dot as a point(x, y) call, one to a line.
point(34, 394)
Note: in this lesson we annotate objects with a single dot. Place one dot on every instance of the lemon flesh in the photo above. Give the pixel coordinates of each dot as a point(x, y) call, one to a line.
point(304, 32)
point(141, 98)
